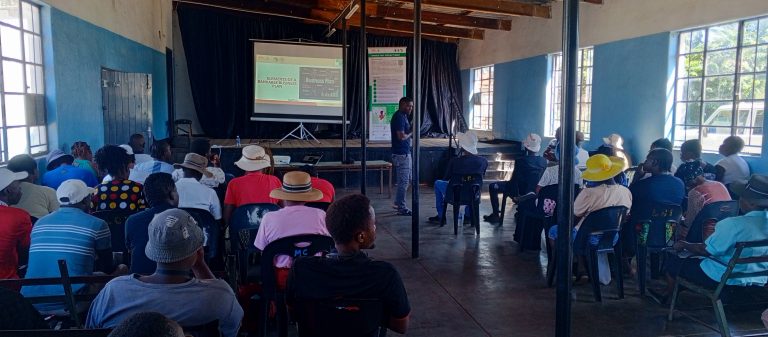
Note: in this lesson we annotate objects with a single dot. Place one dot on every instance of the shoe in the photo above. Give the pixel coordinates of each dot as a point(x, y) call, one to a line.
point(404, 211)
point(528, 196)
point(493, 218)
point(435, 219)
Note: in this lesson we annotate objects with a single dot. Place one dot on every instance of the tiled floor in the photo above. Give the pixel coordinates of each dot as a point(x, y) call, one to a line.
point(469, 286)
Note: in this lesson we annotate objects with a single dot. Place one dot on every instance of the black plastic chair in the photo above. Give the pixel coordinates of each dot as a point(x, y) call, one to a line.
point(210, 227)
point(116, 222)
point(605, 225)
point(710, 215)
point(319, 205)
point(243, 227)
point(543, 209)
point(293, 246)
point(656, 223)
point(341, 318)
point(463, 190)
point(521, 186)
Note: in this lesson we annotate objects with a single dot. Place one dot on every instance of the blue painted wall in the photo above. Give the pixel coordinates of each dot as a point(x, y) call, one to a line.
point(75, 51)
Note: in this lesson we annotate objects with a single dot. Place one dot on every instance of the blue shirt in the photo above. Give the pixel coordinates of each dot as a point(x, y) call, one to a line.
point(400, 123)
point(141, 171)
point(137, 236)
point(663, 189)
point(722, 244)
point(465, 165)
point(69, 234)
point(55, 177)
point(527, 173)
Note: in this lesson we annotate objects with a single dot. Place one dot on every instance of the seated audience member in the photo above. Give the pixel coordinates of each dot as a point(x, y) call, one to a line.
point(752, 226)
point(551, 175)
point(601, 193)
point(202, 146)
point(69, 234)
point(617, 142)
point(294, 218)
point(610, 152)
point(37, 200)
point(161, 162)
point(732, 167)
point(176, 244)
point(467, 163)
point(661, 143)
point(550, 153)
point(83, 157)
point(15, 225)
point(120, 193)
point(192, 193)
point(147, 324)
point(60, 169)
point(528, 170)
point(693, 166)
point(702, 192)
point(350, 273)
point(329, 192)
point(131, 162)
point(254, 186)
point(583, 155)
point(136, 142)
point(161, 195)
point(16, 313)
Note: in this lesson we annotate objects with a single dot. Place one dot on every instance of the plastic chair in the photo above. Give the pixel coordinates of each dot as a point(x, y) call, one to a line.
point(597, 234)
point(210, 227)
point(341, 318)
point(521, 186)
point(657, 222)
point(319, 205)
point(243, 227)
point(543, 209)
point(463, 190)
point(293, 246)
point(710, 215)
point(116, 222)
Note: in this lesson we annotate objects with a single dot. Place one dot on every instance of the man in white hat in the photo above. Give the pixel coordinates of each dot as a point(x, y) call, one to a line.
point(37, 200)
point(528, 171)
point(468, 162)
point(192, 193)
point(70, 234)
point(254, 186)
point(15, 224)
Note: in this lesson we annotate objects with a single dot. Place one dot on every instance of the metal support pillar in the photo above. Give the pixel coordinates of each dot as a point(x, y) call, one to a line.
point(363, 76)
point(344, 114)
point(416, 127)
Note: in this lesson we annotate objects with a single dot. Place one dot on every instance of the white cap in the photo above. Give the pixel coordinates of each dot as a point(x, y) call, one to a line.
point(532, 142)
point(128, 149)
point(73, 191)
point(7, 177)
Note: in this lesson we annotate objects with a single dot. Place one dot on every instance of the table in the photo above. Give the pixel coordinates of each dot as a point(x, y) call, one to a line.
point(337, 166)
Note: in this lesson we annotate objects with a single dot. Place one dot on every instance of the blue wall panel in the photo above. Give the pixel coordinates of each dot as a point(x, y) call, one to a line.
point(75, 51)
point(519, 101)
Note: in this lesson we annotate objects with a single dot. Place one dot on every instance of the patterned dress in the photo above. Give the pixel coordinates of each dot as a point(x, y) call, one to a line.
point(123, 195)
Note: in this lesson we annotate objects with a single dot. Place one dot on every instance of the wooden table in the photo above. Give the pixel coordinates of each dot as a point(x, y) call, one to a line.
point(337, 166)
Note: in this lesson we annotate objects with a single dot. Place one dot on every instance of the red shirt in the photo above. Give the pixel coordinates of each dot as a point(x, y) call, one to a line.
point(253, 187)
point(15, 226)
point(324, 186)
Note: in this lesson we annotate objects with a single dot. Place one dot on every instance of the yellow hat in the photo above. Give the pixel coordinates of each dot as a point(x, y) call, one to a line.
point(601, 167)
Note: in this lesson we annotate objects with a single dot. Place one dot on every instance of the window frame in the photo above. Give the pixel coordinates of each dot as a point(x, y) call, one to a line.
point(478, 90)
point(584, 88)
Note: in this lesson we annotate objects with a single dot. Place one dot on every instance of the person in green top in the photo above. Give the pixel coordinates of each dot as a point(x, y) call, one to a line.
point(84, 157)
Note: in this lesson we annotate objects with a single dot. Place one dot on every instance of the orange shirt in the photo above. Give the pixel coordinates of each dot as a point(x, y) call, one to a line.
point(324, 186)
point(15, 226)
point(253, 187)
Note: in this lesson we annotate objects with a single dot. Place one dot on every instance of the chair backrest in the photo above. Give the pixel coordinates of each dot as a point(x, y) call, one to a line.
point(657, 222)
point(340, 318)
point(630, 173)
point(464, 189)
point(210, 329)
point(318, 204)
point(56, 333)
point(243, 227)
point(710, 215)
point(116, 222)
point(744, 254)
point(604, 223)
point(546, 200)
point(210, 228)
point(529, 179)
point(293, 246)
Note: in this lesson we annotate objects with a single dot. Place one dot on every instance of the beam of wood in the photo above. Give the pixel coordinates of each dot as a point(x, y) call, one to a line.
point(406, 14)
point(492, 7)
point(596, 2)
point(407, 27)
point(257, 7)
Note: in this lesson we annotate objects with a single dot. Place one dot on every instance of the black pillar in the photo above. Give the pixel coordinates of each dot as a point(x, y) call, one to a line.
point(364, 102)
point(416, 127)
point(344, 114)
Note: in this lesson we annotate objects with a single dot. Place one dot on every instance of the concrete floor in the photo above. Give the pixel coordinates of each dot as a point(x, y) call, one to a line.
point(469, 286)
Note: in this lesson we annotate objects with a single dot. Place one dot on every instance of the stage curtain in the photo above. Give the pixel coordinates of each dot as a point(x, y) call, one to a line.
point(220, 62)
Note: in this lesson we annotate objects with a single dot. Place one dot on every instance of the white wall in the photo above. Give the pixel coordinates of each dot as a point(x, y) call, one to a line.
point(145, 21)
point(614, 20)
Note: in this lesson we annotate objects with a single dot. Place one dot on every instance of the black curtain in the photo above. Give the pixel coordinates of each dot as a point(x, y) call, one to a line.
point(220, 61)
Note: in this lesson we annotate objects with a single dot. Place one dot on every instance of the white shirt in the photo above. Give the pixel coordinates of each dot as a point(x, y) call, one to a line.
point(142, 158)
point(736, 168)
point(212, 182)
point(193, 194)
point(551, 177)
point(141, 171)
point(582, 156)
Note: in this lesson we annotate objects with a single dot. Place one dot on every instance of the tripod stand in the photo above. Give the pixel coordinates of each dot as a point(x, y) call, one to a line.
point(303, 134)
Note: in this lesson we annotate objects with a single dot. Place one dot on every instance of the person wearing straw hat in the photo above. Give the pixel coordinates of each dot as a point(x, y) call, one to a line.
point(15, 224)
point(254, 186)
point(602, 192)
point(615, 141)
point(528, 170)
point(468, 162)
point(192, 193)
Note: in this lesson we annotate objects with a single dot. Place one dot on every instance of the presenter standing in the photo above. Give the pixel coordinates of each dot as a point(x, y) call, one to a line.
point(401, 152)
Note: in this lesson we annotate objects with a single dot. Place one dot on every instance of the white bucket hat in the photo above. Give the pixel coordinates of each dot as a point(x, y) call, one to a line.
point(467, 141)
point(614, 140)
point(532, 142)
point(254, 158)
point(7, 177)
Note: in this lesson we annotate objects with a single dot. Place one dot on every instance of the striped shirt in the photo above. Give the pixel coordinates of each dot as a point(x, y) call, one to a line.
point(69, 234)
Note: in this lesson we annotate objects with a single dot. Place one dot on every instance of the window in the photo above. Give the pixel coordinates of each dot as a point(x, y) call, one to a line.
point(22, 107)
point(482, 98)
point(583, 87)
point(720, 84)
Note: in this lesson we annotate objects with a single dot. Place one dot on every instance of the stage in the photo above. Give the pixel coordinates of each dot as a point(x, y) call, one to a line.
point(434, 155)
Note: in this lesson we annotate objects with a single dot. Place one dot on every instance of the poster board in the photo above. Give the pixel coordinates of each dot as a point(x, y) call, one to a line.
point(386, 85)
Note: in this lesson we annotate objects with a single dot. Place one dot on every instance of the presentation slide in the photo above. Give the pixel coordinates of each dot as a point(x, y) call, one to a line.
point(297, 82)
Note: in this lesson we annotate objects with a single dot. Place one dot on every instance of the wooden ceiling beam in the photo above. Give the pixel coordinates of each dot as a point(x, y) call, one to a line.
point(407, 27)
point(500, 7)
point(257, 7)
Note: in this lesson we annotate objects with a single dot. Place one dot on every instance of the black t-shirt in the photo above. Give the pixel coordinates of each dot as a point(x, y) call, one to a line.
point(354, 277)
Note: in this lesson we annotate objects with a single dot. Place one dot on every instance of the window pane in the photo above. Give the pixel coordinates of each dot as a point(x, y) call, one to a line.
point(760, 86)
point(746, 86)
point(721, 62)
point(11, 41)
point(691, 65)
point(32, 49)
point(15, 110)
point(697, 41)
point(761, 63)
point(13, 76)
point(744, 114)
point(685, 43)
point(694, 113)
point(723, 36)
point(712, 137)
point(17, 141)
point(718, 88)
point(750, 33)
point(748, 55)
point(9, 12)
point(34, 79)
point(30, 17)
point(762, 35)
point(718, 114)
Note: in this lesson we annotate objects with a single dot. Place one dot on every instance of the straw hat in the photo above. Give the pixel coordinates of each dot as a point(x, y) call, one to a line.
point(601, 167)
point(194, 161)
point(254, 158)
point(532, 142)
point(467, 141)
point(297, 186)
point(614, 140)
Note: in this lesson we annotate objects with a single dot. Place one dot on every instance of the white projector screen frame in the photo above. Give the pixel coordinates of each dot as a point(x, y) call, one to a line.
point(284, 71)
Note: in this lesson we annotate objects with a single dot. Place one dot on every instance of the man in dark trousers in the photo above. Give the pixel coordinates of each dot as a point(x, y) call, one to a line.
point(401, 131)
